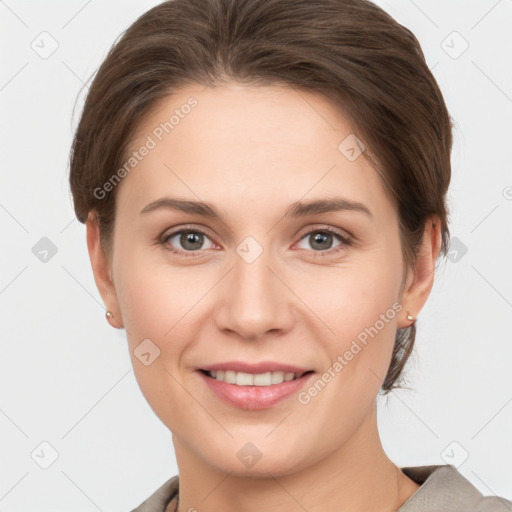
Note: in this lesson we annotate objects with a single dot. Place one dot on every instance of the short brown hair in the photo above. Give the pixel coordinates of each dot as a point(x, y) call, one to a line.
point(352, 51)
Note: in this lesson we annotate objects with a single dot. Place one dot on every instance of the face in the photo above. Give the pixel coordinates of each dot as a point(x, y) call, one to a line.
point(264, 280)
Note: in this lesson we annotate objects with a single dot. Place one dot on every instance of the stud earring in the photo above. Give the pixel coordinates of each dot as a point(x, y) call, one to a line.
point(111, 318)
point(409, 316)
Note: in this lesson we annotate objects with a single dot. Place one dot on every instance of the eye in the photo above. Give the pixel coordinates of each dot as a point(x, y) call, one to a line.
point(321, 240)
point(191, 240)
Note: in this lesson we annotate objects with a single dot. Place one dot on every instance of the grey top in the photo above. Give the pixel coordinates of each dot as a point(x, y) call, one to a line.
point(443, 489)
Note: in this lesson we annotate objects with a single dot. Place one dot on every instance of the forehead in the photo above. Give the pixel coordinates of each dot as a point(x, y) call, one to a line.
point(245, 117)
point(247, 143)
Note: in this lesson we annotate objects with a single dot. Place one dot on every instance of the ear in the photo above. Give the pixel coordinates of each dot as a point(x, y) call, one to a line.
point(102, 270)
point(420, 280)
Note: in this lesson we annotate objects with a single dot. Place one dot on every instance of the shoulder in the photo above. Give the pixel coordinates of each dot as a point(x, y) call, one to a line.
point(493, 504)
point(441, 488)
point(157, 502)
point(445, 488)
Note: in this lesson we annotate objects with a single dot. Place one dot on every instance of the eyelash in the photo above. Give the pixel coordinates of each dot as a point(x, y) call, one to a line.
point(346, 241)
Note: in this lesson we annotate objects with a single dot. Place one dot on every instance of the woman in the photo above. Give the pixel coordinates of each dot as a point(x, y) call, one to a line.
point(264, 188)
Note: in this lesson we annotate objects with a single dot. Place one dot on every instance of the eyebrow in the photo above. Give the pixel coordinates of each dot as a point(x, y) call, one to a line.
point(297, 209)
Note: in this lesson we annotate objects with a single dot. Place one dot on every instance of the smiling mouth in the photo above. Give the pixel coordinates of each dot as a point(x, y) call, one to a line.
point(252, 379)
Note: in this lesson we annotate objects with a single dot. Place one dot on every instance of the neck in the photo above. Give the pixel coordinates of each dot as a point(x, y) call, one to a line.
point(356, 477)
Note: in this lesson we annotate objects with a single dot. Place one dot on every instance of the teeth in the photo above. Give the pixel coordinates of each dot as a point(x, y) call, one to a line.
point(251, 379)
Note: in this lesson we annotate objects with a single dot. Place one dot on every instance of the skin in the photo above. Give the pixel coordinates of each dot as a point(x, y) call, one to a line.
point(251, 151)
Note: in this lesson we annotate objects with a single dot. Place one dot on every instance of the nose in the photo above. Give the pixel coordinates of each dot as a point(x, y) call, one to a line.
point(256, 300)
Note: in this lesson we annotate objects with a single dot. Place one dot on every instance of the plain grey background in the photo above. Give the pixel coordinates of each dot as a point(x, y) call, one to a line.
point(75, 431)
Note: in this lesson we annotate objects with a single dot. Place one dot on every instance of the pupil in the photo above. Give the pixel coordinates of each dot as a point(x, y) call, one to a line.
point(319, 237)
point(191, 238)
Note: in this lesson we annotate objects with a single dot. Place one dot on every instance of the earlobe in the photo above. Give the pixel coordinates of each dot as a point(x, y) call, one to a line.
point(102, 270)
point(419, 287)
point(111, 319)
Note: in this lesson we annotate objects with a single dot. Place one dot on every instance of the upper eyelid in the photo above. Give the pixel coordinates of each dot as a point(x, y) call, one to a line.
point(174, 231)
point(331, 229)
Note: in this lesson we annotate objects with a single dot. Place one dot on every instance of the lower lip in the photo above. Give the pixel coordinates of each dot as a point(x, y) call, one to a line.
point(254, 397)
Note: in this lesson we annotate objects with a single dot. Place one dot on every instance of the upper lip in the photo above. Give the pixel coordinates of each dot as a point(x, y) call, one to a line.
point(256, 368)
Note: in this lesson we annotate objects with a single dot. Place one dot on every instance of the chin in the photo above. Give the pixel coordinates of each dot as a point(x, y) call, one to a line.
point(258, 460)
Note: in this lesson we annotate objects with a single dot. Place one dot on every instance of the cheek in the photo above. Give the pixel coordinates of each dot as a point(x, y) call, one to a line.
point(154, 303)
point(363, 316)
point(154, 298)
